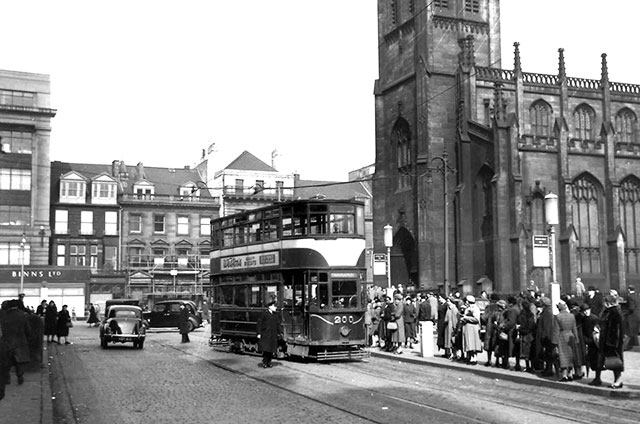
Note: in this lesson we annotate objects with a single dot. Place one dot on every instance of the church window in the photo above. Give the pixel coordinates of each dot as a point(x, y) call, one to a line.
point(625, 124)
point(472, 6)
point(583, 117)
point(540, 114)
point(629, 206)
point(536, 214)
point(585, 208)
point(401, 138)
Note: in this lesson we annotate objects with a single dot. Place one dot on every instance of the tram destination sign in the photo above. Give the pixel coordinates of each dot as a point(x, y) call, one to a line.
point(256, 260)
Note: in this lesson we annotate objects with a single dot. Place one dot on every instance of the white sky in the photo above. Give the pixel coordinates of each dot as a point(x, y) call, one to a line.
point(158, 81)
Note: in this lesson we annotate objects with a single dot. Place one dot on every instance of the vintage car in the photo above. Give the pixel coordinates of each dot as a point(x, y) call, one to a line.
point(123, 324)
point(167, 312)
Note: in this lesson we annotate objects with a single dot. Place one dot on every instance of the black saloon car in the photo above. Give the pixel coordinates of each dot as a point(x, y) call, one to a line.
point(123, 324)
point(166, 314)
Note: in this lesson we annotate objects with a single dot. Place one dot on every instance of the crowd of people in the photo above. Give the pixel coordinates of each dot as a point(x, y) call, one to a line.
point(589, 332)
point(19, 333)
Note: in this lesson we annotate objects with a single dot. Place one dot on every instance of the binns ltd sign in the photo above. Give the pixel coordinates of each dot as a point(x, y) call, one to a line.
point(38, 274)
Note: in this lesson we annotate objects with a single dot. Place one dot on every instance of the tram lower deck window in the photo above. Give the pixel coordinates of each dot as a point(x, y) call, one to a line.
point(344, 293)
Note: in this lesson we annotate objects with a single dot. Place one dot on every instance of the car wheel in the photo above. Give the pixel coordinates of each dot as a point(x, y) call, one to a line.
point(103, 342)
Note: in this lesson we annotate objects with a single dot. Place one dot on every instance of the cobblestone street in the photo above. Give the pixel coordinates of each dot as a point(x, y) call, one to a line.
point(169, 381)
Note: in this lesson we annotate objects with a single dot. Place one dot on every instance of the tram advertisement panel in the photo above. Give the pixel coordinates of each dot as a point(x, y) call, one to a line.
point(255, 260)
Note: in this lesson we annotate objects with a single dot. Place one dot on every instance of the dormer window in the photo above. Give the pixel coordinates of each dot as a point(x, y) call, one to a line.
point(104, 190)
point(73, 188)
point(143, 190)
point(189, 191)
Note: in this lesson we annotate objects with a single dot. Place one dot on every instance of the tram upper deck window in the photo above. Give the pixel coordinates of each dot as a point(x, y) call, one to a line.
point(342, 219)
point(344, 293)
point(318, 219)
point(270, 224)
point(227, 236)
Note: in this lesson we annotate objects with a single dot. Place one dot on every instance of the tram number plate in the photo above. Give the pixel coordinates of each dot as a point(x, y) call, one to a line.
point(343, 319)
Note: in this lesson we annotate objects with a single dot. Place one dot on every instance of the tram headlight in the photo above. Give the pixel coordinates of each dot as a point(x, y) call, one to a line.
point(345, 331)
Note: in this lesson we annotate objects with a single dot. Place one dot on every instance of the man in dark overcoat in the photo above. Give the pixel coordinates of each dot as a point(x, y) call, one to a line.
point(544, 335)
point(15, 333)
point(183, 323)
point(631, 317)
point(269, 328)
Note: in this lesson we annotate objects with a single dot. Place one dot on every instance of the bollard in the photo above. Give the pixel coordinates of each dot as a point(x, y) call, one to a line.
point(426, 339)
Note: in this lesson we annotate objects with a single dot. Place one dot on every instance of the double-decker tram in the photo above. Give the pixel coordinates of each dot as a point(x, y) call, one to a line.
point(308, 256)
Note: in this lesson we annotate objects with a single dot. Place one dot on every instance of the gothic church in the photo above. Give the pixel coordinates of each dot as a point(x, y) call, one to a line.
point(466, 152)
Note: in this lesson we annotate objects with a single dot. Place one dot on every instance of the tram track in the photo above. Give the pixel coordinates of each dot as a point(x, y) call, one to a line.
point(571, 408)
point(403, 395)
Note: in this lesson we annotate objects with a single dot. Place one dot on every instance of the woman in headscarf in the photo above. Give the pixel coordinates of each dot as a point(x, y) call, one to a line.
point(471, 343)
point(565, 336)
point(398, 336)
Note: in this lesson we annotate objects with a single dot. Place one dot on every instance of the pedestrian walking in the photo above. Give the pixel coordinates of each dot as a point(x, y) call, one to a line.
point(205, 311)
point(610, 343)
point(93, 316)
point(63, 325)
point(269, 328)
point(50, 321)
point(15, 333)
point(183, 323)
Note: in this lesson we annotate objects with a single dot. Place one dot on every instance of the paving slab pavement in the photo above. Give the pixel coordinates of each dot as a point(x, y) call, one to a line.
point(630, 377)
point(30, 402)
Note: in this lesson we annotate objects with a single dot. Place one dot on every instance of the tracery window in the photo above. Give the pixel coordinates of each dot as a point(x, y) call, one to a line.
point(629, 207)
point(536, 214)
point(583, 117)
point(625, 124)
point(586, 199)
point(472, 6)
point(540, 113)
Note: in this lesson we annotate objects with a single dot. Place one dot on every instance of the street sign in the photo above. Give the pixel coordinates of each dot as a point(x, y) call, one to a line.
point(380, 264)
point(541, 251)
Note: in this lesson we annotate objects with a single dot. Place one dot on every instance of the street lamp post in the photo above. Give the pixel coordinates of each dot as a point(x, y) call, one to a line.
point(174, 273)
point(388, 242)
point(23, 242)
point(551, 215)
point(444, 169)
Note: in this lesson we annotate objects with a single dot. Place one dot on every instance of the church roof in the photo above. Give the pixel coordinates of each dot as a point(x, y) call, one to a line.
point(248, 162)
point(307, 189)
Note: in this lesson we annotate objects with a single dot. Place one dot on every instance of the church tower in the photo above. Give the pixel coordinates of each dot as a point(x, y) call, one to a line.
point(423, 47)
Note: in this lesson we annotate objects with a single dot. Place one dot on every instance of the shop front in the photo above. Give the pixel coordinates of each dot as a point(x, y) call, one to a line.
point(63, 285)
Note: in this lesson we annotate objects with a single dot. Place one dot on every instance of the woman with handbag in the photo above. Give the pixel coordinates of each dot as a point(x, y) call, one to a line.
point(610, 346)
point(64, 322)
